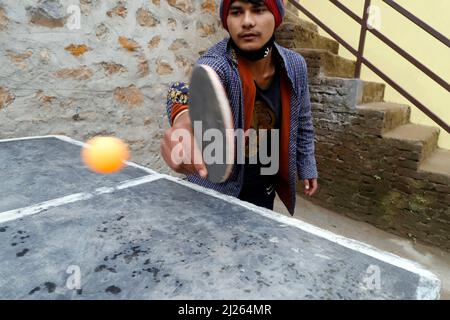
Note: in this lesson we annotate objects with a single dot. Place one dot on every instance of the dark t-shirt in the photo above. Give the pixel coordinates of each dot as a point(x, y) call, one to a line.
point(266, 115)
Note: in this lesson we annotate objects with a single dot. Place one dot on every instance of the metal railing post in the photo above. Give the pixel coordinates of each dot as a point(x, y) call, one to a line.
point(362, 39)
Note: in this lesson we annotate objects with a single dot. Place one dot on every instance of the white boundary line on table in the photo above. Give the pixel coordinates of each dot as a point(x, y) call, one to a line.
point(39, 207)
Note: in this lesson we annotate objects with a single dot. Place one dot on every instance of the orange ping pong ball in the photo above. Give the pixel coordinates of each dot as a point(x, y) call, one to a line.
point(105, 154)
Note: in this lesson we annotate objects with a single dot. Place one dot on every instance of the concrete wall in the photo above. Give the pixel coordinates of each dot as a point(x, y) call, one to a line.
point(108, 77)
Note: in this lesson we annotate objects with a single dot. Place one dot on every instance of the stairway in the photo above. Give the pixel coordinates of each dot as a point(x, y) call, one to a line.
point(374, 164)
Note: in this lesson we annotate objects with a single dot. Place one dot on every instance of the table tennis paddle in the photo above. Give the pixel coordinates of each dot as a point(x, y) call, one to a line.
point(208, 103)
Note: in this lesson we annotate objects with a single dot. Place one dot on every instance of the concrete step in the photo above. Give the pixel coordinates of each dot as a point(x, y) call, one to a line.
point(345, 92)
point(392, 115)
point(322, 63)
point(372, 92)
point(292, 16)
point(415, 138)
point(437, 162)
point(294, 35)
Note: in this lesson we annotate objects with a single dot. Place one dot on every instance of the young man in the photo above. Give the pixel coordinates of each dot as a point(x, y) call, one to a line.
point(267, 88)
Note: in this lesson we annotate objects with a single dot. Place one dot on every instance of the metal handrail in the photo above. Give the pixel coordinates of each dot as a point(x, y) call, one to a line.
point(389, 42)
point(359, 54)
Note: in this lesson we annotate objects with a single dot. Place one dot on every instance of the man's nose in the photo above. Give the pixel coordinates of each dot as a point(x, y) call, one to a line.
point(249, 20)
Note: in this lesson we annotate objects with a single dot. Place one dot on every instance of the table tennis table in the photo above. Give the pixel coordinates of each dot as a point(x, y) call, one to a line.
point(69, 233)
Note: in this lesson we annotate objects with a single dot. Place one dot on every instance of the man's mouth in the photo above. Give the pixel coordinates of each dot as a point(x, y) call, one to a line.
point(249, 35)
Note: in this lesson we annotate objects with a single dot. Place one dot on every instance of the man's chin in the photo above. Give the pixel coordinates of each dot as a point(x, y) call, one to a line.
point(249, 46)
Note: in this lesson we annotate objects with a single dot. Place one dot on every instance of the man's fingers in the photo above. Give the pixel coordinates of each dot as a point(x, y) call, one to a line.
point(180, 151)
point(197, 159)
point(167, 157)
point(307, 186)
point(310, 186)
point(163, 152)
point(201, 169)
point(314, 187)
point(312, 183)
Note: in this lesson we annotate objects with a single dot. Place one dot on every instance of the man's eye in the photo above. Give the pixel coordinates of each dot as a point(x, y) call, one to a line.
point(235, 13)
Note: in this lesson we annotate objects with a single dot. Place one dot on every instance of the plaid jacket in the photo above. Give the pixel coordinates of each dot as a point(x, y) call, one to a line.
point(301, 161)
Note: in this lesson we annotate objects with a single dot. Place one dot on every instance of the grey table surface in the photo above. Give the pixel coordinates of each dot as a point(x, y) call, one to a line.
point(67, 233)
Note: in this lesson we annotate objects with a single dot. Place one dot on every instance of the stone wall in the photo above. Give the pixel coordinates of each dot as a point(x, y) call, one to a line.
point(108, 77)
point(372, 178)
point(365, 171)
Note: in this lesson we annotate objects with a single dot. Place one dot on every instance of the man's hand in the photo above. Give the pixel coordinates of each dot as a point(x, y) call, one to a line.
point(186, 148)
point(310, 186)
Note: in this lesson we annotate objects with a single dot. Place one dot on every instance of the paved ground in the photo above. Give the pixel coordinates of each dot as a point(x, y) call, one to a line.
point(434, 259)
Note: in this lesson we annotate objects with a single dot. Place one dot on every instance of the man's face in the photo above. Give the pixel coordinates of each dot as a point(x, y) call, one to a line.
point(250, 25)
